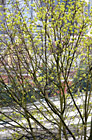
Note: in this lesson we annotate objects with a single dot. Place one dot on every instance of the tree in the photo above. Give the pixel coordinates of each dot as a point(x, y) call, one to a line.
point(39, 57)
point(90, 131)
point(83, 75)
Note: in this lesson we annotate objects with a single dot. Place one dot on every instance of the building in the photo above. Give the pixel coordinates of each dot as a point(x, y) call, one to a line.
point(89, 4)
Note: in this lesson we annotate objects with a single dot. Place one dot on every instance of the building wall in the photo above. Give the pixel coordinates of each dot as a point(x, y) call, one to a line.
point(90, 3)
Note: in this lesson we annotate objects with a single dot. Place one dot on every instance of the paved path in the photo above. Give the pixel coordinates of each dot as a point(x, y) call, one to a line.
point(7, 133)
